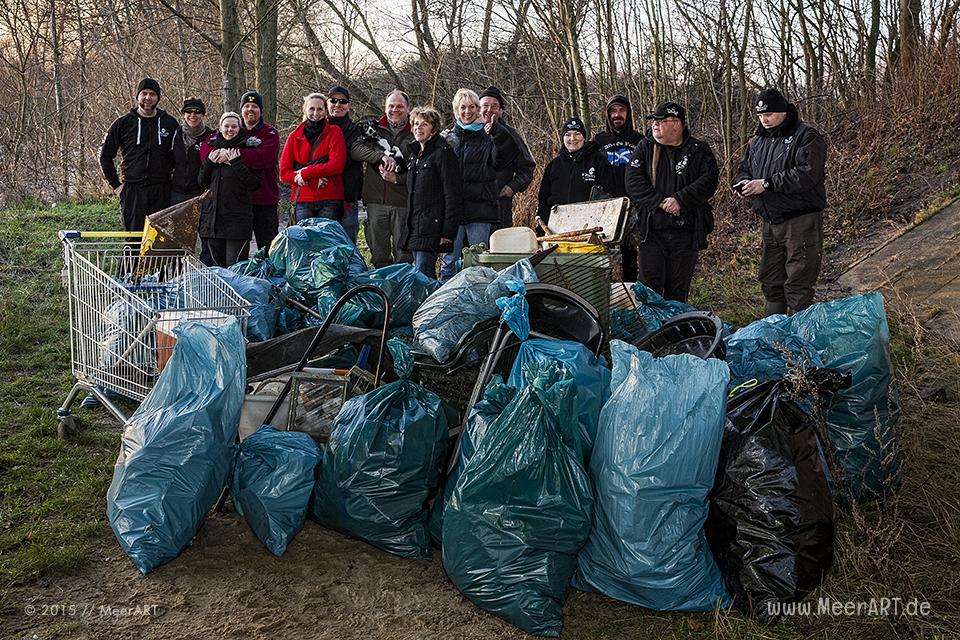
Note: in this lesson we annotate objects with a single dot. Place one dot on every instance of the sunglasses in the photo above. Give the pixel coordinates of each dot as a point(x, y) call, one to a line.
point(194, 112)
point(337, 101)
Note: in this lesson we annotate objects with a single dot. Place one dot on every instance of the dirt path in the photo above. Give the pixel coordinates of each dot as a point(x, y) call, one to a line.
point(228, 586)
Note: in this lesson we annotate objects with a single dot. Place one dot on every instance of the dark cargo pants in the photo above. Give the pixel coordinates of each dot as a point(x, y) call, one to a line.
point(790, 261)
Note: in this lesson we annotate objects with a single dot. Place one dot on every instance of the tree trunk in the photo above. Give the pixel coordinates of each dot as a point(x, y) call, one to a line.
point(909, 33)
point(231, 55)
point(266, 63)
point(485, 38)
point(58, 95)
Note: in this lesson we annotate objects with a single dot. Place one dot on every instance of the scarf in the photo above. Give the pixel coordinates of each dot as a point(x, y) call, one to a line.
point(476, 126)
point(192, 135)
point(313, 128)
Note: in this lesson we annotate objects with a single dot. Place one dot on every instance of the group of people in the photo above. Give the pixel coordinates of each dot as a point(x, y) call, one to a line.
point(429, 191)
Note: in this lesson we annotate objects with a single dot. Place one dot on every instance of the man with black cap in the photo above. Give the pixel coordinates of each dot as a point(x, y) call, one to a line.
point(261, 153)
point(782, 174)
point(338, 110)
point(143, 137)
point(670, 180)
point(616, 143)
point(514, 164)
point(187, 140)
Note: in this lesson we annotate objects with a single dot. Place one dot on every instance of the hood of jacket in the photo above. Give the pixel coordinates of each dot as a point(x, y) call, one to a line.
point(785, 128)
point(619, 99)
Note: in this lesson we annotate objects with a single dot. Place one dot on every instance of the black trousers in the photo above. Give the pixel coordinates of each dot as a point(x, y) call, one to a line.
point(266, 226)
point(225, 252)
point(138, 201)
point(666, 263)
point(790, 262)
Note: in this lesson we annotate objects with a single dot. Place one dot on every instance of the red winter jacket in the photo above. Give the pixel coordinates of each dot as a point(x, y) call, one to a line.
point(297, 154)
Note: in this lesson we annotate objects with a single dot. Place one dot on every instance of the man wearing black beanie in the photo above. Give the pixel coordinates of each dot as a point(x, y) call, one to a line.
point(143, 137)
point(515, 164)
point(782, 174)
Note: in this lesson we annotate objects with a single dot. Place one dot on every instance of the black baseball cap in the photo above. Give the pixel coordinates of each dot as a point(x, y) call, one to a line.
point(669, 110)
point(337, 88)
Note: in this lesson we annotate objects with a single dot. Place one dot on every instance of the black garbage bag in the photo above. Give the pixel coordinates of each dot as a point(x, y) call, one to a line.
point(771, 520)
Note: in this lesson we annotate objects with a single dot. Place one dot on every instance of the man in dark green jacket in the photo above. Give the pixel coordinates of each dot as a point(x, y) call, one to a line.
point(782, 173)
point(670, 180)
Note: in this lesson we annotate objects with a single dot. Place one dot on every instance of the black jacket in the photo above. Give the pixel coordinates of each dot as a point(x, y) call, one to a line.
point(227, 213)
point(145, 146)
point(435, 195)
point(569, 178)
point(477, 155)
point(186, 162)
point(616, 148)
point(515, 164)
point(353, 172)
point(688, 173)
point(792, 158)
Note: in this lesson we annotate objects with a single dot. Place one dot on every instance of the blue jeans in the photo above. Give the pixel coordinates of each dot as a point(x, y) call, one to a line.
point(426, 263)
point(351, 220)
point(329, 209)
point(469, 234)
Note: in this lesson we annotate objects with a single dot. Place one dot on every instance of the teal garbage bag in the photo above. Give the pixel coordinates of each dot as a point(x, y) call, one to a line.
point(767, 351)
point(381, 463)
point(653, 465)
point(515, 310)
point(295, 249)
point(590, 374)
point(851, 335)
point(264, 298)
point(178, 447)
point(496, 396)
point(406, 289)
point(272, 482)
point(259, 267)
point(461, 302)
point(654, 309)
point(522, 508)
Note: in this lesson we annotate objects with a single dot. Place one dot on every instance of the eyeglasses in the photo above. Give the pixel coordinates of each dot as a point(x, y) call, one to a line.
point(666, 121)
point(337, 101)
point(193, 112)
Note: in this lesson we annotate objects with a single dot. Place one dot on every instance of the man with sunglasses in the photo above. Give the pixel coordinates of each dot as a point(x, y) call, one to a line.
point(338, 113)
point(670, 180)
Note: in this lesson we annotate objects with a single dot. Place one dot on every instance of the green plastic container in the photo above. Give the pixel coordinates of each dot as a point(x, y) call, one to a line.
point(586, 274)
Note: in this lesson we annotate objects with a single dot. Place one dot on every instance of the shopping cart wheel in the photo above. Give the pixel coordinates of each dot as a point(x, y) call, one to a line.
point(68, 425)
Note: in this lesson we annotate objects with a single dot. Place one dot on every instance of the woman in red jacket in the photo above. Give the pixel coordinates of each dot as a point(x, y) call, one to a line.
point(312, 161)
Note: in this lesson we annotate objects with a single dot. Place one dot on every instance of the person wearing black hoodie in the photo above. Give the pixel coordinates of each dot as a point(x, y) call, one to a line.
point(670, 179)
point(143, 138)
point(782, 174)
point(186, 151)
point(338, 113)
point(571, 175)
point(226, 220)
point(616, 143)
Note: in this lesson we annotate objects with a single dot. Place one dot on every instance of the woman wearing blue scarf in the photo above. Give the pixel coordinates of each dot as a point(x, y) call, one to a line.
point(476, 152)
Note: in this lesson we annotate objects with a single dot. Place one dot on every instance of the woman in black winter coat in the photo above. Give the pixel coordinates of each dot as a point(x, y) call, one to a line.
point(571, 175)
point(476, 152)
point(186, 151)
point(226, 221)
point(435, 192)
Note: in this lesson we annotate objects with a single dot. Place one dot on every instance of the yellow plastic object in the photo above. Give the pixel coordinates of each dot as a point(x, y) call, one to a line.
point(578, 247)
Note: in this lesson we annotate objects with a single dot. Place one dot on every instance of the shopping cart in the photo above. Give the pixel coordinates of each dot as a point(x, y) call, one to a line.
point(123, 306)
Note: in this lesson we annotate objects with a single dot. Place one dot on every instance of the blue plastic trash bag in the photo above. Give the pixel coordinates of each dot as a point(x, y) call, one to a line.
point(178, 447)
point(272, 482)
point(515, 310)
point(460, 303)
point(294, 250)
point(591, 378)
point(653, 465)
point(406, 289)
point(496, 397)
point(259, 267)
point(767, 351)
point(264, 302)
point(852, 336)
point(522, 508)
point(381, 463)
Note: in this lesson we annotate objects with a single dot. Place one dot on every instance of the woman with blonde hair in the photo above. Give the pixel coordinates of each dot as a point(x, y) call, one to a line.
point(476, 154)
point(312, 161)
